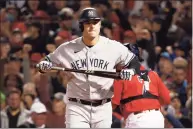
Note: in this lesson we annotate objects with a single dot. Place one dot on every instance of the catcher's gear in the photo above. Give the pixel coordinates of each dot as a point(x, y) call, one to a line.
point(134, 48)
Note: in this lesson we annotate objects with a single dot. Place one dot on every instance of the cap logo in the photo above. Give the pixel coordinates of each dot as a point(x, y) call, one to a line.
point(90, 13)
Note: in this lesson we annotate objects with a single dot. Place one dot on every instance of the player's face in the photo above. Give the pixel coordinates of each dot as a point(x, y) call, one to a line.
point(92, 28)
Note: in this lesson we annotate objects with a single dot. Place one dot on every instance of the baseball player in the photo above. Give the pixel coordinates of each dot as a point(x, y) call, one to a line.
point(89, 96)
point(141, 98)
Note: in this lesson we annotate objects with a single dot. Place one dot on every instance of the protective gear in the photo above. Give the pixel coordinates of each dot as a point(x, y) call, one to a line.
point(134, 48)
point(126, 74)
point(88, 14)
point(45, 66)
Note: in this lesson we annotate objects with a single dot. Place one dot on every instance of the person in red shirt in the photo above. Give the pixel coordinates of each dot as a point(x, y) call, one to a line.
point(141, 98)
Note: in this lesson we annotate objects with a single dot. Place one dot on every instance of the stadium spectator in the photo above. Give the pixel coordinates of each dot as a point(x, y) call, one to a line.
point(56, 117)
point(30, 88)
point(13, 115)
point(179, 78)
point(38, 117)
point(12, 82)
point(3, 99)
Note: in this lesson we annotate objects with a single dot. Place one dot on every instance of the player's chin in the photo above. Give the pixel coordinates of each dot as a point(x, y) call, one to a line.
point(93, 34)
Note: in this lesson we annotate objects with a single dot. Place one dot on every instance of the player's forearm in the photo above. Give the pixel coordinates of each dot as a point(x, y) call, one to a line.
point(135, 64)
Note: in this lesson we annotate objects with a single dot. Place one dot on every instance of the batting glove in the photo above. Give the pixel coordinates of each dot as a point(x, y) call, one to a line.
point(126, 74)
point(45, 66)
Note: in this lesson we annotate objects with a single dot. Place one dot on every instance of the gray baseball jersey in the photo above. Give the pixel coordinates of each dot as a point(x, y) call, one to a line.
point(103, 56)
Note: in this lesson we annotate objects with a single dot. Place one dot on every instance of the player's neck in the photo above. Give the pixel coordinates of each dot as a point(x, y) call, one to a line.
point(90, 41)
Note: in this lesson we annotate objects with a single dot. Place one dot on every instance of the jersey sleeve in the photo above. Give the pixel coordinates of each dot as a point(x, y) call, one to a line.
point(118, 86)
point(56, 55)
point(164, 94)
point(125, 55)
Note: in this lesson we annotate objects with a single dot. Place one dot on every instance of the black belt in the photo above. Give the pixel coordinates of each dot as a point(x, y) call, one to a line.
point(147, 95)
point(93, 103)
point(135, 113)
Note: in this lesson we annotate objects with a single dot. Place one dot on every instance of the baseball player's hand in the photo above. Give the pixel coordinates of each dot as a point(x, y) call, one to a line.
point(126, 74)
point(45, 66)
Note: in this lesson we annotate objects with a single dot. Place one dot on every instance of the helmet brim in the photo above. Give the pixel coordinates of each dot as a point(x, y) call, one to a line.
point(84, 20)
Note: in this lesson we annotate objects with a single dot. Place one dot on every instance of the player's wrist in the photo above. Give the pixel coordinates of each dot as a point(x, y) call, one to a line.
point(42, 71)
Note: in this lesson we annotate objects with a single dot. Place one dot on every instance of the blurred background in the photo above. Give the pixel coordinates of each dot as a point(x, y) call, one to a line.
point(30, 29)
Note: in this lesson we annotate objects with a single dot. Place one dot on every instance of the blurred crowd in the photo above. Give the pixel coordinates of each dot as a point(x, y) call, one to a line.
point(30, 29)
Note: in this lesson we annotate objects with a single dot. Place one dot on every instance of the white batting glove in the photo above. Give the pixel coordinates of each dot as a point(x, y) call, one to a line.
point(45, 66)
point(126, 74)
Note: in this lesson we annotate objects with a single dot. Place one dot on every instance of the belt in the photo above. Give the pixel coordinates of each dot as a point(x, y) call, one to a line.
point(135, 113)
point(93, 103)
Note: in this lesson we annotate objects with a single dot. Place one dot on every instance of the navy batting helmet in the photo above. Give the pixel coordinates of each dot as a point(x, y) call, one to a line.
point(88, 14)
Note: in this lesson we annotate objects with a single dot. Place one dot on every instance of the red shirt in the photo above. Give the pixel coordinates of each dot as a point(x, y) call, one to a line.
point(124, 89)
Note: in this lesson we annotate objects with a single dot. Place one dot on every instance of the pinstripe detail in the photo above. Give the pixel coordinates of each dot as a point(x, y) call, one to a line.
point(130, 60)
point(47, 58)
